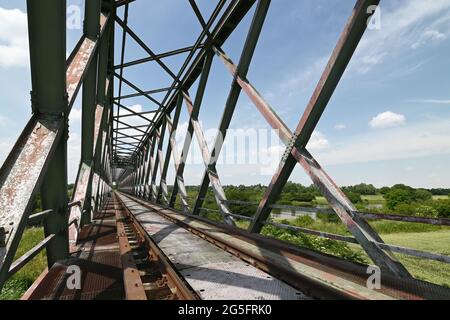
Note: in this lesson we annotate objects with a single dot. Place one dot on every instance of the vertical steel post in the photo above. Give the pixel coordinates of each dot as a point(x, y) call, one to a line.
point(47, 36)
point(91, 30)
point(163, 191)
point(244, 64)
point(102, 100)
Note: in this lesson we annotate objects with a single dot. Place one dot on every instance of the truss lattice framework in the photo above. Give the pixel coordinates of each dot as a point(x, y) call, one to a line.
point(113, 149)
point(148, 155)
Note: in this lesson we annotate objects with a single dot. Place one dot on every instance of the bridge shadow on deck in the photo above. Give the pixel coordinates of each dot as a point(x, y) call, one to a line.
point(98, 259)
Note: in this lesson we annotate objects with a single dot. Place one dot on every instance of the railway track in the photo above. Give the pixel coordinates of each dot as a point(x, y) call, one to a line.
point(311, 275)
point(148, 273)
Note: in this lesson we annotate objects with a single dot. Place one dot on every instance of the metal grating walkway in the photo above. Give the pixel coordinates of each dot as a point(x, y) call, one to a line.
point(213, 273)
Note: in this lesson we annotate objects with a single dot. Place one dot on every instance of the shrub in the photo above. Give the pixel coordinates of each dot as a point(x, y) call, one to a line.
point(354, 197)
point(405, 208)
point(426, 211)
point(443, 208)
point(421, 195)
point(333, 247)
point(304, 221)
point(304, 197)
point(397, 196)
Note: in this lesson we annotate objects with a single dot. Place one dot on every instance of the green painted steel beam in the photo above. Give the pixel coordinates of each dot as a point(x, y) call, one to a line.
point(47, 36)
point(89, 102)
point(233, 96)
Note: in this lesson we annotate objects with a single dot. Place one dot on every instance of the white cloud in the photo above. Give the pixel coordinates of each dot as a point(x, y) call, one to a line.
point(318, 141)
point(14, 38)
point(425, 139)
point(430, 101)
point(387, 119)
point(429, 35)
point(340, 126)
point(412, 23)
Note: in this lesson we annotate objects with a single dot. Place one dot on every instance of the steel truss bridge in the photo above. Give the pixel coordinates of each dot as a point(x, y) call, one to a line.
point(144, 239)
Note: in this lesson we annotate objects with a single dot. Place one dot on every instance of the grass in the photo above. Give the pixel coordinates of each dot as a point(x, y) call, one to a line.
point(375, 199)
point(440, 197)
point(15, 287)
point(412, 235)
point(321, 201)
point(436, 241)
point(382, 227)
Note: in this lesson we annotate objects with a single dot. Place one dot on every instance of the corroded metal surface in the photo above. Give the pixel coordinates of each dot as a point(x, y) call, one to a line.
point(79, 195)
point(210, 271)
point(79, 62)
point(329, 276)
point(99, 259)
point(20, 176)
point(95, 284)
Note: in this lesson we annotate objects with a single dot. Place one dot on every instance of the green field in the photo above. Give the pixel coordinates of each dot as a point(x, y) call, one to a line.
point(436, 241)
point(376, 199)
point(16, 286)
point(440, 197)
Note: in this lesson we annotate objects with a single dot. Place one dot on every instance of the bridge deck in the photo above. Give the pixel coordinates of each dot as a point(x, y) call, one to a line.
point(98, 257)
point(214, 261)
point(213, 273)
point(221, 274)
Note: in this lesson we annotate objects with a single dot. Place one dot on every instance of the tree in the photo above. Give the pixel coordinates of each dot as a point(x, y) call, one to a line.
point(354, 197)
point(422, 195)
point(304, 197)
point(362, 189)
point(384, 190)
point(396, 196)
point(443, 208)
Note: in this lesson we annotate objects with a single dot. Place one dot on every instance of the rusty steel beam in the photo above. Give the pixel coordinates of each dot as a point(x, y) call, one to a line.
point(23, 171)
point(178, 163)
point(84, 181)
point(193, 115)
point(85, 175)
point(296, 142)
point(159, 140)
point(219, 193)
point(233, 96)
point(163, 191)
point(122, 57)
point(148, 168)
point(92, 31)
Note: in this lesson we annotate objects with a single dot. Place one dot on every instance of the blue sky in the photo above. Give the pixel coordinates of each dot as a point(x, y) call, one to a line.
point(388, 122)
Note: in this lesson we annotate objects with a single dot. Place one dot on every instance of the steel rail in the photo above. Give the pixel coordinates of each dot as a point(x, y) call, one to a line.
point(176, 282)
point(408, 286)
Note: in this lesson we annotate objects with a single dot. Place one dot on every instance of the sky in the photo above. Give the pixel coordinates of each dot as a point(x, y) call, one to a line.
point(388, 121)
